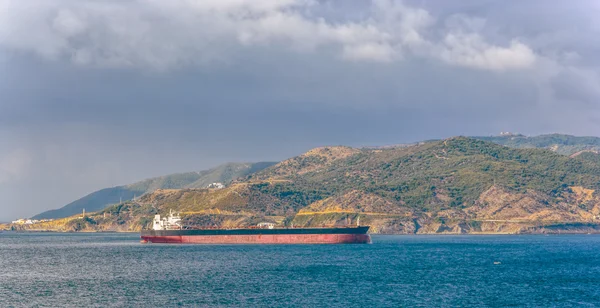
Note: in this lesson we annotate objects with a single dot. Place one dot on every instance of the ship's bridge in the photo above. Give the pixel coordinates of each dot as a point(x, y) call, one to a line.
point(171, 222)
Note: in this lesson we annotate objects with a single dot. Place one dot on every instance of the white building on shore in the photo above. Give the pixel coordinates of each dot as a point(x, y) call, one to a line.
point(22, 221)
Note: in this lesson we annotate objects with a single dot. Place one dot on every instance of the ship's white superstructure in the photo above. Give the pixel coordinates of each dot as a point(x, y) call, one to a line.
point(171, 222)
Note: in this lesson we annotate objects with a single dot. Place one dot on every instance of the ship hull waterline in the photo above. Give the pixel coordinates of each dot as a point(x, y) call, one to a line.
point(273, 236)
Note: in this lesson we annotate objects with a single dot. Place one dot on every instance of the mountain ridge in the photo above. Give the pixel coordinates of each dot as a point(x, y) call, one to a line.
point(102, 198)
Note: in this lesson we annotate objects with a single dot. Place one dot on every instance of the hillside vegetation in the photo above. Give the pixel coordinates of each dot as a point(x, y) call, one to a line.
point(458, 185)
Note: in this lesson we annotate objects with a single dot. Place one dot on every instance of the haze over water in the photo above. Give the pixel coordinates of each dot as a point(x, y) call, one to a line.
point(61, 270)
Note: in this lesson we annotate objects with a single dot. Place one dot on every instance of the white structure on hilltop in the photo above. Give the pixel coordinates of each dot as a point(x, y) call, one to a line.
point(216, 185)
point(171, 222)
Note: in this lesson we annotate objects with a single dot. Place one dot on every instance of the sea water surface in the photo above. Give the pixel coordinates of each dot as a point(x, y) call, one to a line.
point(115, 270)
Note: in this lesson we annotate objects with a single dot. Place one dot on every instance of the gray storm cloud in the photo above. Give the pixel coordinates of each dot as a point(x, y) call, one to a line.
point(165, 34)
point(100, 93)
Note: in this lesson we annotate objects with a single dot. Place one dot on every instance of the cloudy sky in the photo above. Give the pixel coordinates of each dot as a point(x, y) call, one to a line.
point(99, 93)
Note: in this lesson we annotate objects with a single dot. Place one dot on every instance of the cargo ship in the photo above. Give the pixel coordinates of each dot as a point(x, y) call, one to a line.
point(170, 230)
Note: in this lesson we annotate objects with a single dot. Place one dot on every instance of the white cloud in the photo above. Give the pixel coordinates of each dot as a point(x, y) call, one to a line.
point(471, 50)
point(406, 23)
point(165, 34)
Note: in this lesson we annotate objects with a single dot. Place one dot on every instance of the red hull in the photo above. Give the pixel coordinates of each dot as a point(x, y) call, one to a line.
point(263, 239)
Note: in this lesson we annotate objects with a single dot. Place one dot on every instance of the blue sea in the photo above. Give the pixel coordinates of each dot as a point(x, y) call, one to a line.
point(115, 270)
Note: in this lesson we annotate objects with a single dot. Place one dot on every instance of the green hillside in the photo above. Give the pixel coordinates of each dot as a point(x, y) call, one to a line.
point(458, 185)
point(101, 199)
point(459, 169)
point(561, 144)
point(589, 156)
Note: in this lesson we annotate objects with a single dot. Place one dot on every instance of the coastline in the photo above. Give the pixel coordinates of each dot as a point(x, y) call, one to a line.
point(555, 232)
point(383, 226)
